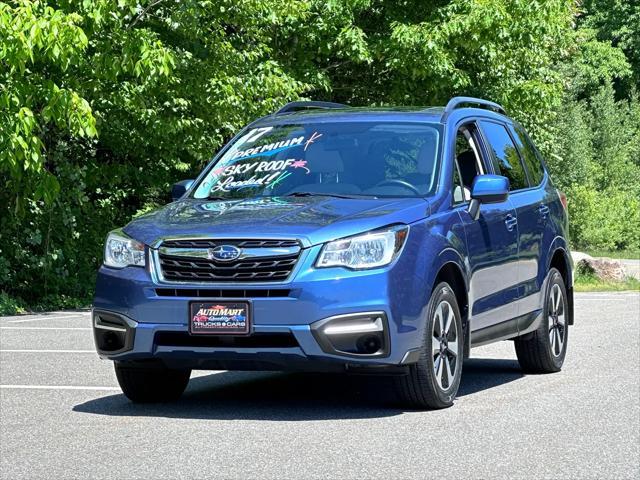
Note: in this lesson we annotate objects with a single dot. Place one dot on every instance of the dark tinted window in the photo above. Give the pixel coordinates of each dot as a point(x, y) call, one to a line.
point(529, 155)
point(506, 159)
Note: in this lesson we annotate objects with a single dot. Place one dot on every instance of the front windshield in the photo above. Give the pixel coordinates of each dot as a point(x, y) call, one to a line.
point(342, 159)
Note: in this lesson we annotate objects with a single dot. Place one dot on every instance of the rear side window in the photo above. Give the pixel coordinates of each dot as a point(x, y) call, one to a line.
point(529, 155)
point(505, 156)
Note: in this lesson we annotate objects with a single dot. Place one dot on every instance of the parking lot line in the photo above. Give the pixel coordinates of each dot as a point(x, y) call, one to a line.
point(47, 351)
point(591, 295)
point(56, 387)
point(78, 316)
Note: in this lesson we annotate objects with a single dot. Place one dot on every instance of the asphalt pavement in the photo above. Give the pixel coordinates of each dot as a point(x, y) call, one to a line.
point(62, 414)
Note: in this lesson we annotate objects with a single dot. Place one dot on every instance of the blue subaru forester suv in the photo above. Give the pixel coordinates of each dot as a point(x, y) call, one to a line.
point(335, 239)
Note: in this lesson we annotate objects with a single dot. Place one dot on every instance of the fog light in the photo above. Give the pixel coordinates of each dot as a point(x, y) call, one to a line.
point(356, 335)
point(368, 344)
point(110, 341)
point(113, 333)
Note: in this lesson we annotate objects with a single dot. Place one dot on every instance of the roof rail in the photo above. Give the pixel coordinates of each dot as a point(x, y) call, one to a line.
point(303, 105)
point(455, 102)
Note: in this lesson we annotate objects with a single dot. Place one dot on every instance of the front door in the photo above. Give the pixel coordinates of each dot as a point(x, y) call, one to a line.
point(492, 246)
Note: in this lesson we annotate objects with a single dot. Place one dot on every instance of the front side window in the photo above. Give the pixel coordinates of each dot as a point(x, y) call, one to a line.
point(468, 164)
point(350, 158)
point(505, 156)
point(459, 193)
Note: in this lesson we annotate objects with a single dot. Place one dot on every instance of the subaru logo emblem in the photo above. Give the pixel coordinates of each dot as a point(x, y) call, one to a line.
point(224, 253)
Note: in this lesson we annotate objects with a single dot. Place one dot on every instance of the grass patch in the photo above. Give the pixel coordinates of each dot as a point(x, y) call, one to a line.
point(632, 254)
point(591, 283)
point(10, 305)
point(14, 306)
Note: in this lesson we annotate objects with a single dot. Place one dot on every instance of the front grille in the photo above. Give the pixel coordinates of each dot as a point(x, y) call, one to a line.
point(182, 269)
point(269, 268)
point(211, 293)
point(256, 340)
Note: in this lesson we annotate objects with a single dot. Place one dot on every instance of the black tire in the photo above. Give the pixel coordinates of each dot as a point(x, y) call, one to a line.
point(420, 387)
point(151, 384)
point(536, 351)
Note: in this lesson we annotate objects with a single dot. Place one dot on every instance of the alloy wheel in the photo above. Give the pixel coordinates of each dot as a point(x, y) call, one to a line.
point(557, 326)
point(444, 345)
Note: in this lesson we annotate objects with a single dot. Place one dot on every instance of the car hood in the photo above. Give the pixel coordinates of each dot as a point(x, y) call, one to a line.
point(313, 220)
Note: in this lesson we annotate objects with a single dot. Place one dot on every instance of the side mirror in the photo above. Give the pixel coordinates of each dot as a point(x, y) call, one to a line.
point(487, 189)
point(180, 188)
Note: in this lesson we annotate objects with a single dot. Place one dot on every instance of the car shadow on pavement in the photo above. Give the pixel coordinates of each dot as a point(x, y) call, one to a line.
point(279, 396)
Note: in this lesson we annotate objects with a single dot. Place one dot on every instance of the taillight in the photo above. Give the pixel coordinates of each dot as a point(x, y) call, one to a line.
point(563, 199)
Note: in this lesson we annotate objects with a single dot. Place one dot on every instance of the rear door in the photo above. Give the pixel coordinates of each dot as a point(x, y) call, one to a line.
point(531, 203)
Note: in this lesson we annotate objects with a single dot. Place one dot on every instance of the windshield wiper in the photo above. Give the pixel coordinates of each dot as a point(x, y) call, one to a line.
point(333, 195)
point(215, 197)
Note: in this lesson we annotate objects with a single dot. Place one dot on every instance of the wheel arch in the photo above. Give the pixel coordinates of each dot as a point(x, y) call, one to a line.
point(560, 259)
point(451, 272)
point(558, 256)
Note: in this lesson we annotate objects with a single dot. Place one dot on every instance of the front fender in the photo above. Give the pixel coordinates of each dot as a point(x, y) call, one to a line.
point(437, 241)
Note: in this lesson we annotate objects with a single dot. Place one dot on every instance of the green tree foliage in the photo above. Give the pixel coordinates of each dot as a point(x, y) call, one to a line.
point(105, 103)
point(35, 39)
point(598, 166)
point(418, 52)
point(595, 153)
point(618, 23)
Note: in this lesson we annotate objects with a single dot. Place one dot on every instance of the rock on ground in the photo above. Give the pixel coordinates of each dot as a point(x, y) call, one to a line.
point(603, 268)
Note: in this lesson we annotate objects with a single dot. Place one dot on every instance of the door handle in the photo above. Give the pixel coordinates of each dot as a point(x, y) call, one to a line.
point(544, 210)
point(510, 221)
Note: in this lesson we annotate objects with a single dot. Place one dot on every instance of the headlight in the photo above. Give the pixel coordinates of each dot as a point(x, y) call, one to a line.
point(121, 251)
point(371, 250)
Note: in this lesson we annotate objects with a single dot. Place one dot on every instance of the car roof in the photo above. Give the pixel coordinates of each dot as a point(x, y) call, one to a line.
point(373, 114)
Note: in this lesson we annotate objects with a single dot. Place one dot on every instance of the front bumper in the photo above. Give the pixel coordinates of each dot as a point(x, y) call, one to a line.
point(156, 316)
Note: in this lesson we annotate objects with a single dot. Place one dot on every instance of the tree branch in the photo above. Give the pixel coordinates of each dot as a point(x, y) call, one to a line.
point(143, 13)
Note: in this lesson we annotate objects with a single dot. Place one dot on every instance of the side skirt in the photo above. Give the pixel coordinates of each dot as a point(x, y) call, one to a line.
point(494, 333)
point(505, 330)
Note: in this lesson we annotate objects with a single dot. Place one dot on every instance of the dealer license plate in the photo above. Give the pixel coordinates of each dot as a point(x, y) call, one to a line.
point(219, 318)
